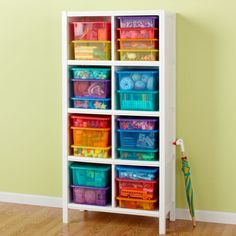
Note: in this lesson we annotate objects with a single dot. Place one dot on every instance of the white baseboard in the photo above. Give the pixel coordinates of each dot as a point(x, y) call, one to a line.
point(182, 214)
point(29, 199)
point(208, 216)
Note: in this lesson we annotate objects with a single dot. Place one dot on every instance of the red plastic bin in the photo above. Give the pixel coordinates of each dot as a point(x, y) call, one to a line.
point(141, 189)
point(92, 30)
point(137, 33)
point(85, 121)
point(92, 88)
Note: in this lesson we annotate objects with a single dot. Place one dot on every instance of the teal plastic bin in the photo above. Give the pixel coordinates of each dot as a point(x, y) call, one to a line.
point(139, 100)
point(91, 175)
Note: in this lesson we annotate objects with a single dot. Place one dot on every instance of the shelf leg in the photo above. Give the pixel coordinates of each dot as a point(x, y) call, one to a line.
point(172, 212)
point(65, 215)
point(162, 225)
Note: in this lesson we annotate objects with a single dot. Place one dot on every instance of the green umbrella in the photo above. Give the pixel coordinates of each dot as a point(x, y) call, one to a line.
point(187, 179)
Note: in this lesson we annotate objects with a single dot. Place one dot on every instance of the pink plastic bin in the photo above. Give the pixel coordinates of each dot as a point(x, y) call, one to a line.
point(137, 33)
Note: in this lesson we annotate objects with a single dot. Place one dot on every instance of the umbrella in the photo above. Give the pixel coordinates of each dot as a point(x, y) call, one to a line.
point(187, 178)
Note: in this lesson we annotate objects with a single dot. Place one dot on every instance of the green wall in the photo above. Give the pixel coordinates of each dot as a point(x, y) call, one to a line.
point(30, 94)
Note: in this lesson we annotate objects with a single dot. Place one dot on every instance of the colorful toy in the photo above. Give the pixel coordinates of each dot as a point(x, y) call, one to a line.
point(138, 43)
point(138, 54)
point(91, 73)
point(137, 21)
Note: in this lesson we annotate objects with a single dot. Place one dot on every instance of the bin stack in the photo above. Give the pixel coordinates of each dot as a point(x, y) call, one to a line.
point(138, 140)
point(92, 40)
point(138, 38)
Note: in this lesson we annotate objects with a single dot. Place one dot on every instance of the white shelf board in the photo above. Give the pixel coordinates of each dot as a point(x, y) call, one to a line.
point(136, 113)
point(110, 209)
point(115, 63)
point(114, 161)
point(89, 111)
point(137, 63)
point(89, 63)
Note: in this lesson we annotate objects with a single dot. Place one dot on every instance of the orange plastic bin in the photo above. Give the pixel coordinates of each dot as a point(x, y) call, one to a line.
point(91, 137)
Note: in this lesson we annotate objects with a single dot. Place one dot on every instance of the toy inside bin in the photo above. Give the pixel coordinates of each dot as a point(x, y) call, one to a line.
point(136, 80)
point(138, 43)
point(92, 88)
point(91, 137)
point(138, 54)
point(92, 30)
point(91, 103)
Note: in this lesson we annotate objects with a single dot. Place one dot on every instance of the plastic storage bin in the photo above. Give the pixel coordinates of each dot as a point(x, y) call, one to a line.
point(134, 154)
point(139, 100)
point(137, 203)
point(91, 103)
point(137, 123)
point(138, 54)
point(142, 189)
point(91, 73)
point(91, 175)
point(92, 30)
point(90, 195)
point(92, 88)
point(85, 121)
point(138, 80)
point(96, 152)
point(91, 137)
point(138, 43)
point(92, 50)
point(138, 139)
point(137, 33)
point(137, 21)
point(137, 173)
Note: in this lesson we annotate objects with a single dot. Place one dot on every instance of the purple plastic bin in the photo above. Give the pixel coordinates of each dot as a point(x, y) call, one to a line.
point(90, 195)
point(92, 88)
point(137, 124)
point(137, 21)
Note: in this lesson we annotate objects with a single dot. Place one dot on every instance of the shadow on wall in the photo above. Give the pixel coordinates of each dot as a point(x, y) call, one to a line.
point(196, 98)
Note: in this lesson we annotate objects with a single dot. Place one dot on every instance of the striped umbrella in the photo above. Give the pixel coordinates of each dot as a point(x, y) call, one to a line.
point(187, 179)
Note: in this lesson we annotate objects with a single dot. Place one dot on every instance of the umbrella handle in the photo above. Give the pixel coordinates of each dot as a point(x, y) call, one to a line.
point(180, 142)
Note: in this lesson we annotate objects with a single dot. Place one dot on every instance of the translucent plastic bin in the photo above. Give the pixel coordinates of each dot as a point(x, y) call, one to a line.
point(137, 172)
point(91, 137)
point(91, 103)
point(91, 175)
point(138, 43)
point(91, 73)
point(90, 121)
point(139, 100)
point(138, 54)
point(137, 33)
point(137, 123)
point(92, 50)
point(90, 195)
point(138, 139)
point(138, 80)
point(95, 152)
point(92, 88)
point(137, 21)
point(92, 30)
point(134, 154)
point(142, 189)
point(137, 203)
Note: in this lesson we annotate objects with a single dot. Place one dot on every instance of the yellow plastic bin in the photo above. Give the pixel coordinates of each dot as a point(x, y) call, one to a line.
point(139, 54)
point(92, 50)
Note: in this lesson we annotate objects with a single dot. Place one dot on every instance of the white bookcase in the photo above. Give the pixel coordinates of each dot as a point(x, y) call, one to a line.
point(166, 114)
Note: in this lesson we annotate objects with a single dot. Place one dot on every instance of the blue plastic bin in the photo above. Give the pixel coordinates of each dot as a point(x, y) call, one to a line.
point(136, 80)
point(91, 73)
point(91, 103)
point(91, 175)
point(140, 139)
point(137, 173)
point(139, 100)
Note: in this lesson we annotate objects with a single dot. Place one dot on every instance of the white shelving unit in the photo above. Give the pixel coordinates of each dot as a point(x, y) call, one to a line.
point(166, 114)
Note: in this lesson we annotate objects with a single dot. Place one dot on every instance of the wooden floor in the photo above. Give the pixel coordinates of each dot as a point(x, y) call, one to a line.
point(22, 220)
